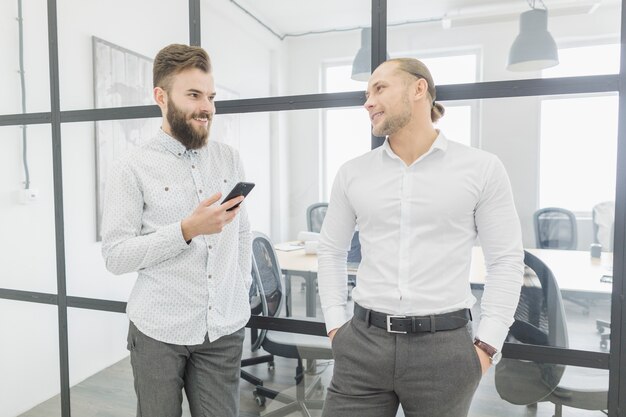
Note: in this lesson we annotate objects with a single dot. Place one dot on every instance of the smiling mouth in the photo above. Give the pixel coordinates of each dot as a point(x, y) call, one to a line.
point(375, 116)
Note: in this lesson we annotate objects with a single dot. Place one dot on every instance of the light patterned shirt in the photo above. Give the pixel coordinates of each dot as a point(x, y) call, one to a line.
point(183, 291)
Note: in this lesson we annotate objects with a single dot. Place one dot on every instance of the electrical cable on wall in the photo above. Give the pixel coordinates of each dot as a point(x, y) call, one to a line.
point(23, 88)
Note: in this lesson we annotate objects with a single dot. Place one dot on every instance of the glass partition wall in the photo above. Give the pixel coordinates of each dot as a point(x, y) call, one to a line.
point(290, 89)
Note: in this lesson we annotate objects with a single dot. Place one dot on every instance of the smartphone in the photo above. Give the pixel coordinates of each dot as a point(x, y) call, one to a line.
point(241, 188)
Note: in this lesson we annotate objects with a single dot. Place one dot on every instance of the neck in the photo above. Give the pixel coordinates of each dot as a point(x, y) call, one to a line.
point(411, 143)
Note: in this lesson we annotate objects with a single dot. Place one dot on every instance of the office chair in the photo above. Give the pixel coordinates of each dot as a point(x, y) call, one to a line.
point(315, 214)
point(603, 221)
point(258, 305)
point(555, 228)
point(287, 345)
point(540, 320)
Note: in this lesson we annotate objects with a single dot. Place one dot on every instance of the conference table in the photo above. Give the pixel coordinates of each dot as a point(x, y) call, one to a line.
point(576, 272)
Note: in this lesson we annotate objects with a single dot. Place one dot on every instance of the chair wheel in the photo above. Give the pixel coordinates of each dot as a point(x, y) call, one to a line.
point(259, 400)
point(600, 329)
point(603, 345)
point(270, 366)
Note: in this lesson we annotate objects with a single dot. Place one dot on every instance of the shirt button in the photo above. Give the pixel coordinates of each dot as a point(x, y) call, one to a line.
point(210, 308)
point(210, 276)
point(193, 166)
point(200, 191)
point(210, 247)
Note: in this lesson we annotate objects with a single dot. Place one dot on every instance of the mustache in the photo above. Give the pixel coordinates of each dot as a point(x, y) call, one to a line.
point(209, 116)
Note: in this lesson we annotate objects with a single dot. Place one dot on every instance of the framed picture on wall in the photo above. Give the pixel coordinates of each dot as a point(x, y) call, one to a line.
point(121, 78)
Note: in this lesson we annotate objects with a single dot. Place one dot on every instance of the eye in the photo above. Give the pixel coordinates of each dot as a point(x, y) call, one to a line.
point(194, 95)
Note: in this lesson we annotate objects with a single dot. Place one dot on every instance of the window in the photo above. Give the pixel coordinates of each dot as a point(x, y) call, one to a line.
point(577, 158)
point(578, 142)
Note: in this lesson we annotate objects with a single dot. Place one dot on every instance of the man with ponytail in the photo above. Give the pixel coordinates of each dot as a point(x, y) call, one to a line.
point(420, 201)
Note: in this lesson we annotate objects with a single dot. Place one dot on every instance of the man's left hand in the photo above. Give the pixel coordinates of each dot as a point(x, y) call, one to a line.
point(485, 360)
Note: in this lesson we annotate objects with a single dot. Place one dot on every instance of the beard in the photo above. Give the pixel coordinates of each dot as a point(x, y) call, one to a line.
point(182, 129)
point(393, 123)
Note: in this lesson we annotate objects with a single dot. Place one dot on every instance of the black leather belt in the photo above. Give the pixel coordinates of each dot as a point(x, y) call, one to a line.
point(413, 324)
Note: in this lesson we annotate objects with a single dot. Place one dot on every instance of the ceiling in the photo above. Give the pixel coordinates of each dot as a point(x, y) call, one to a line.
point(301, 16)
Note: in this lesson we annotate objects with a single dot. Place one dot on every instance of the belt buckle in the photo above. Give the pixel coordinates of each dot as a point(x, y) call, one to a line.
point(389, 324)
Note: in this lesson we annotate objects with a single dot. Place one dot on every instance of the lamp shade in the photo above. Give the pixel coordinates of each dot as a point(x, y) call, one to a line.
point(361, 66)
point(534, 48)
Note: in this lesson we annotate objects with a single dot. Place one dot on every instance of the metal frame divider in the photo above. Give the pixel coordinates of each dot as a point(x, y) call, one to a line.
point(495, 89)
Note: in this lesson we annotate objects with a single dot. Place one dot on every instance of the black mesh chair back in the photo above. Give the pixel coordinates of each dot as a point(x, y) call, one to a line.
point(555, 228)
point(354, 254)
point(539, 320)
point(266, 275)
point(315, 214)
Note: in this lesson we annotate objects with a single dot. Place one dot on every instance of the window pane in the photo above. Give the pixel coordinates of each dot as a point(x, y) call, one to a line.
point(34, 55)
point(456, 124)
point(281, 46)
point(100, 373)
point(84, 182)
point(28, 231)
point(489, 30)
point(29, 380)
point(348, 135)
point(578, 152)
point(105, 55)
point(586, 60)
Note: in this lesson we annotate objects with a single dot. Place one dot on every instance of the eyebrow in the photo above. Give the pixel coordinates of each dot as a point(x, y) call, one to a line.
point(373, 86)
point(195, 90)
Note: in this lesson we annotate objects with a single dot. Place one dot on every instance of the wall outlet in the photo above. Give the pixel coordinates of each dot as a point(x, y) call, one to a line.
point(28, 196)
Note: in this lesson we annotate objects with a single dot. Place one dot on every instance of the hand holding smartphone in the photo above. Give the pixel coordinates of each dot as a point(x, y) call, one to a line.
point(241, 188)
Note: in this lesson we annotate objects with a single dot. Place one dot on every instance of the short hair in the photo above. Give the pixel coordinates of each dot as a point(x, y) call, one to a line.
point(175, 58)
point(418, 69)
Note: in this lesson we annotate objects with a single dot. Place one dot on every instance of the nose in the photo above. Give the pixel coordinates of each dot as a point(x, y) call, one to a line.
point(369, 103)
point(208, 105)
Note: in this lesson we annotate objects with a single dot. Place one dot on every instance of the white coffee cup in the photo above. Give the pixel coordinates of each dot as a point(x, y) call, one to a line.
point(310, 246)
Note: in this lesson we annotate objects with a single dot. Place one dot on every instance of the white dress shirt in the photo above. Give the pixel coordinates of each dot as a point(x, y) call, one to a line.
point(183, 291)
point(417, 225)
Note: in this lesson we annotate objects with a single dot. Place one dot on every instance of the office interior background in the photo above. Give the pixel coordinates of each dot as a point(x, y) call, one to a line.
point(76, 81)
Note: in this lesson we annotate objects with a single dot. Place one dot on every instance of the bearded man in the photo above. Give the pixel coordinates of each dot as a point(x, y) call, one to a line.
point(162, 218)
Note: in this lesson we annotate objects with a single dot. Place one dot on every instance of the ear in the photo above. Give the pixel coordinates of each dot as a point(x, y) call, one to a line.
point(420, 88)
point(160, 96)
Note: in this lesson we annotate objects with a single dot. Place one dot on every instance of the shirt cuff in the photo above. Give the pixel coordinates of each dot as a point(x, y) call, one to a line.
point(492, 332)
point(335, 317)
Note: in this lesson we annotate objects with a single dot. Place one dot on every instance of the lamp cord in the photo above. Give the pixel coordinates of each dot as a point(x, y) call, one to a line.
point(23, 87)
point(532, 5)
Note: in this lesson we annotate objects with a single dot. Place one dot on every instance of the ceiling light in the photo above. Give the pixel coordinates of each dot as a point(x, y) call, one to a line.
point(534, 48)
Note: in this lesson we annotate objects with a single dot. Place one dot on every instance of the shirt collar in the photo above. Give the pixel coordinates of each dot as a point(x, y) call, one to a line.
point(441, 143)
point(171, 144)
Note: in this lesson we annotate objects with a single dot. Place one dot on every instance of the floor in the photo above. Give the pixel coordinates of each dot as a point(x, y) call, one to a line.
point(110, 393)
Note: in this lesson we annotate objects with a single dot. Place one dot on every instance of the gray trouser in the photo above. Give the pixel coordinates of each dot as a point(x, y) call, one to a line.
point(430, 374)
point(209, 372)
